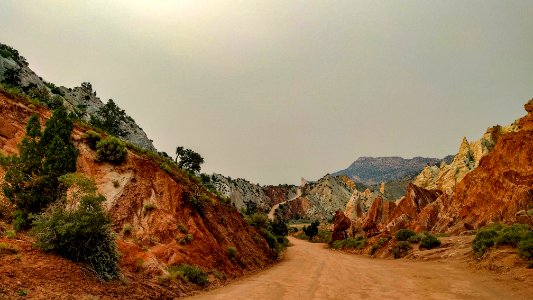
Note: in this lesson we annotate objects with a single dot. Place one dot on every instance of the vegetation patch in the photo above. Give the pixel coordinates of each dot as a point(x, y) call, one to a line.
point(92, 138)
point(401, 249)
point(83, 234)
point(311, 230)
point(188, 273)
point(429, 242)
point(10, 234)
point(111, 150)
point(415, 239)
point(350, 243)
point(404, 234)
point(31, 180)
point(182, 228)
point(232, 253)
point(6, 248)
point(378, 245)
point(127, 229)
point(148, 208)
point(257, 220)
point(187, 239)
point(518, 236)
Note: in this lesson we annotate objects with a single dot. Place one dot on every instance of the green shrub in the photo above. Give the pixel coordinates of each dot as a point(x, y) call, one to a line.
point(83, 235)
point(148, 208)
point(258, 220)
point(429, 242)
point(20, 220)
point(109, 118)
point(401, 249)
point(31, 179)
point(189, 237)
point(232, 252)
point(279, 227)
point(92, 138)
point(517, 235)
point(484, 239)
point(6, 248)
point(189, 273)
point(323, 236)
point(404, 234)
point(10, 234)
point(512, 235)
point(127, 229)
point(311, 230)
point(525, 248)
point(272, 242)
point(111, 150)
point(182, 228)
point(350, 243)
point(378, 245)
point(415, 239)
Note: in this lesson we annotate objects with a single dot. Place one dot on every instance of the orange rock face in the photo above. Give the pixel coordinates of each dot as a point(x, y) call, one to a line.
point(155, 235)
point(499, 189)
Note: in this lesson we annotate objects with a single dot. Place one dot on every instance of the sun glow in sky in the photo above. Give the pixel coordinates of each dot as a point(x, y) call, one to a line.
point(275, 90)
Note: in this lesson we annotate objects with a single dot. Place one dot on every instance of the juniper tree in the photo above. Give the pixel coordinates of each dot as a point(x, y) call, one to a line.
point(31, 179)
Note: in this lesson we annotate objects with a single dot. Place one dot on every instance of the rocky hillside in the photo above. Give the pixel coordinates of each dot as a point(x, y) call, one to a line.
point(488, 181)
point(153, 209)
point(446, 176)
point(375, 170)
point(79, 100)
point(319, 200)
point(244, 194)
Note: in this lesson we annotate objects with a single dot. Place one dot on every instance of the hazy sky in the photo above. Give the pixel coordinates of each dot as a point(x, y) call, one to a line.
point(275, 90)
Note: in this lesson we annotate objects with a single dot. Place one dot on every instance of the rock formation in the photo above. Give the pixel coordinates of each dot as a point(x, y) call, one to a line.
point(375, 170)
point(341, 224)
point(447, 176)
point(154, 235)
point(241, 192)
point(80, 100)
point(490, 180)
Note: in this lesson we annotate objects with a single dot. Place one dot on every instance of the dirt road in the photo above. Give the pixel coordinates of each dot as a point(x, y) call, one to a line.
point(309, 271)
point(273, 209)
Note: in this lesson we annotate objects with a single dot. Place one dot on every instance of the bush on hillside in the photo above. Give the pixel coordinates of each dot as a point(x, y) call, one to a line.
point(484, 239)
point(350, 243)
point(279, 227)
point(92, 138)
point(517, 235)
point(513, 235)
point(401, 249)
point(188, 159)
point(111, 150)
point(31, 180)
point(311, 230)
point(378, 245)
point(415, 239)
point(258, 220)
point(82, 234)
point(404, 234)
point(525, 248)
point(108, 117)
point(429, 242)
point(273, 242)
point(189, 273)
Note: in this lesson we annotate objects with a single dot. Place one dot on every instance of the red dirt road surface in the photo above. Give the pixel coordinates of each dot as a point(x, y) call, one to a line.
point(309, 271)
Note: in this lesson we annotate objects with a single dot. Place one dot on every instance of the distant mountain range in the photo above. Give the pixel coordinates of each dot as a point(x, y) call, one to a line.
point(374, 170)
